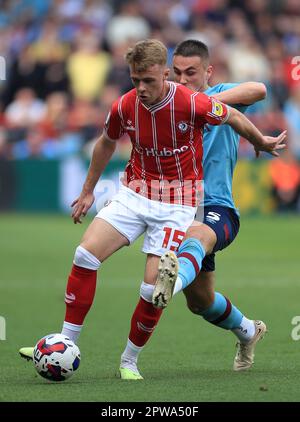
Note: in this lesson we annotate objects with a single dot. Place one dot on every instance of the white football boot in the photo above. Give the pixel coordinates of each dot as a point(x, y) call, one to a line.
point(244, 357)
point(166, 278)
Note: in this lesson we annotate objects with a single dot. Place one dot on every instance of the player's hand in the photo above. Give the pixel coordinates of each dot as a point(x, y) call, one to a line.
point(272, 144)
point(81, 206)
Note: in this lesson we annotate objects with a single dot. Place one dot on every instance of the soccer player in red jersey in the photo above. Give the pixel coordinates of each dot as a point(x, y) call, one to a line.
point(216, 223)
point(162, 179)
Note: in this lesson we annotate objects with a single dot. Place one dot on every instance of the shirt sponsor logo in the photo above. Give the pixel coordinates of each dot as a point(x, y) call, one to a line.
point(165, 152)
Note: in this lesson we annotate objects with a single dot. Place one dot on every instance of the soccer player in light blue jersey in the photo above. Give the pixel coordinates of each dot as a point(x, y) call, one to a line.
point(217, 229)
point(218, 223)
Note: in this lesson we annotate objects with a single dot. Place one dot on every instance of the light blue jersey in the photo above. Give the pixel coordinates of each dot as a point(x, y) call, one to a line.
point(220, 148)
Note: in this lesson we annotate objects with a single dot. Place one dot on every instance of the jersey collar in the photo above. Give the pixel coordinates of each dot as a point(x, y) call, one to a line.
point(155, 107)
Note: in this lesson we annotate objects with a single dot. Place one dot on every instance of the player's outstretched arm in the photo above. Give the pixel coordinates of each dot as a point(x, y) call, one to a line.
point(102, 153)
point(245, 93)
point(245, 128)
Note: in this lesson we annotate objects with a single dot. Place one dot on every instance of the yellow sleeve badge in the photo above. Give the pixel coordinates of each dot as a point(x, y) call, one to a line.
point(217, 108)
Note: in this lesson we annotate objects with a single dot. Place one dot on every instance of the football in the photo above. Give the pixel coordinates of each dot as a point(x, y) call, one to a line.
point(56, 357)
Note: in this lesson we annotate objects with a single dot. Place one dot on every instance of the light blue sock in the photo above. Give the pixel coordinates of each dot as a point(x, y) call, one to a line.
point(222, 313)
point(190, 255)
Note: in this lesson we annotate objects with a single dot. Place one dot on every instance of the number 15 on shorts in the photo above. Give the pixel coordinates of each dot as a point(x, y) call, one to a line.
point(172, 239)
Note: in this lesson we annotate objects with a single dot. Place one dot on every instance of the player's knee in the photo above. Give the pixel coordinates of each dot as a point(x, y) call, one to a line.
point(201, 304)
point(194, 308)
point(193, 231)
point(85, 259)
point(203, 234)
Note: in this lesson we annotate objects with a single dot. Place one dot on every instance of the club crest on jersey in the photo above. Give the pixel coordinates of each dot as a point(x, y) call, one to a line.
point(183, 126)
point(217, 108)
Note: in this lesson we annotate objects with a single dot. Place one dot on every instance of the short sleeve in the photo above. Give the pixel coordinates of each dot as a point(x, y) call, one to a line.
point(114, 126)
point(240, 107)
point(209, 110)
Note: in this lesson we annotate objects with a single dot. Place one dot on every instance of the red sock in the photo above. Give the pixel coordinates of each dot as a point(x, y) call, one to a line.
point(80, 294)
point(143, 322)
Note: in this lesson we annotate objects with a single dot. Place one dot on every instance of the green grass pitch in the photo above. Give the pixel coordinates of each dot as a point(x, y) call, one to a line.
point(186, 359)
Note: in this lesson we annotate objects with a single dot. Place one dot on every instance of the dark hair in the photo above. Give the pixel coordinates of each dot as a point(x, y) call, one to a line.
point(189, 48)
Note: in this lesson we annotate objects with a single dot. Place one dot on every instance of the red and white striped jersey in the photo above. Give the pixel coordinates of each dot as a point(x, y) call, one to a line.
point(166, 158)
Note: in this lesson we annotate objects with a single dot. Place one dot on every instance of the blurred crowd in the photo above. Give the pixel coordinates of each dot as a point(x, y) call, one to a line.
point(64, 66)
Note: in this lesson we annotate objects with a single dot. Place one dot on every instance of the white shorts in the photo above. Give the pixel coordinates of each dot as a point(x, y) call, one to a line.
point(164, 224)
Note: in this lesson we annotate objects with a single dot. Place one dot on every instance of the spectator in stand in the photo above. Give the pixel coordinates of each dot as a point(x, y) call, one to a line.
point(88, 67)
point(32, 146)
point(119, 71)
point(25, 111)
point(292, 115)
point(55, 120)
point(97, 13)
point(77, 47)
point(128, 25)
point(24, 71)
point(84, 118)
point(285, 175)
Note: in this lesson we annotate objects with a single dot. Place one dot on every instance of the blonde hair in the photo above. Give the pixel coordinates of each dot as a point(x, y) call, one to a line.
point(146, 53)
